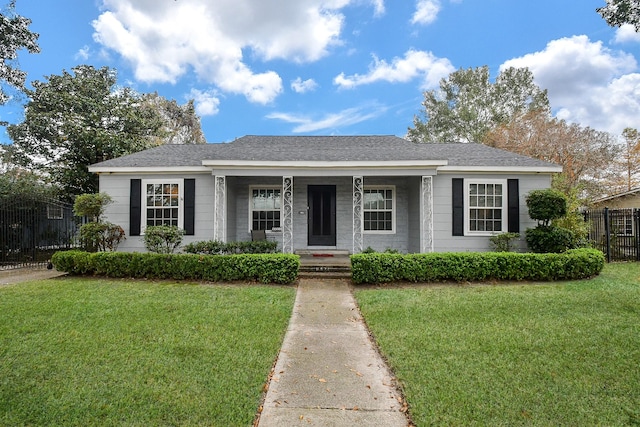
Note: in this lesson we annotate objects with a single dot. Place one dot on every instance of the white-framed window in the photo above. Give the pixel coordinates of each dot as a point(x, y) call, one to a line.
point(163, 202)
point(379, 209)
point(486, 206)
point(265, 205)
point(55, 212)
point(622, 222)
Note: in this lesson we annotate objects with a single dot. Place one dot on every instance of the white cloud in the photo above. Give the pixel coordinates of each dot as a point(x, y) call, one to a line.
point(347, 117)
point(378, 7)
point(206, 103)
point(587, 83)
point(627, 33)
point(82, 54)
point(303, 86)
point(426, 12)
point(165, 40)
point(414, 64)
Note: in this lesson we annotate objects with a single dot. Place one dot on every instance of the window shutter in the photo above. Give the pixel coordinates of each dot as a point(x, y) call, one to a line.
point(513, 206)
point(135, 204)
point(189, 206)
point(458, 206)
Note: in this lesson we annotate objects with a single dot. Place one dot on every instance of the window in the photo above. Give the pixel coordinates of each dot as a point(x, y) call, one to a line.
point(264, 206)
point(622, 222)
point(162, 203)
point(54, 212)
point(379, 209)
point(486, 204)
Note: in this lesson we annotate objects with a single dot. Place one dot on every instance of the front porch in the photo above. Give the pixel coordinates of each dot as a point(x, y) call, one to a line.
point(327, 213)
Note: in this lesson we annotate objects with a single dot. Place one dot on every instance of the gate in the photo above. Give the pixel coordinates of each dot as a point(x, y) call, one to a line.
point(615, 232)
point(31, 230)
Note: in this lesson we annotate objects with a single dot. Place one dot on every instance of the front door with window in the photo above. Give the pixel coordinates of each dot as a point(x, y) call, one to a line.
point(322, 215)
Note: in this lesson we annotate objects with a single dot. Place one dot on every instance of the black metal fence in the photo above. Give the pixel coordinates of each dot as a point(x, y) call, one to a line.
point(32, 229)
point(615, 232)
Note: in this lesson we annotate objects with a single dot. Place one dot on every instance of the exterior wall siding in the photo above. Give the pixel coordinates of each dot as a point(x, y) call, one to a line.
point(118, 186)
point(407, 210)
point(444, 241)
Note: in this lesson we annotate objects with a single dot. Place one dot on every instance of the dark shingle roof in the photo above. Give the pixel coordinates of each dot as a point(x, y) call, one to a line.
point(323, 149)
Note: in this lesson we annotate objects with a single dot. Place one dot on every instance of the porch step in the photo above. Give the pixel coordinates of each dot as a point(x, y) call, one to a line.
point(325, 263)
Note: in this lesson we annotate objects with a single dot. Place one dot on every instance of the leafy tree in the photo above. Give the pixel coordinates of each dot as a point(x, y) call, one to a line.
point(14, 36)
point(467, 106)
point(180, 125)
point(585, 154)
point(628, 163)
point(619, 12)
point(75, 120)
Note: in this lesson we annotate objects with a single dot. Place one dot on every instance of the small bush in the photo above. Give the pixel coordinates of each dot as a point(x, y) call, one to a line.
point(91, 205)
point(163, 239)
point(549, 238)
point(475, 266)
point(546, 205)
point(215, 247)
point(265, 268)
point(503, 242)
point(101, 236)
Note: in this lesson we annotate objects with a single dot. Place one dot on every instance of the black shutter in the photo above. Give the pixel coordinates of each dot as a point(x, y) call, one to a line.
point(513, 206)
point(135, 204)
point(189, 206)
point(458, 206)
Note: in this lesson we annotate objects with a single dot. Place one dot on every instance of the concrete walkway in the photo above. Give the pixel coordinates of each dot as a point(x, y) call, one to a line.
point(328, 372)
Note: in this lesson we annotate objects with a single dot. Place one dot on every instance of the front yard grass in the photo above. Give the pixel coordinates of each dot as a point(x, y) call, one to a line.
point(88, 352)
point(534, 354)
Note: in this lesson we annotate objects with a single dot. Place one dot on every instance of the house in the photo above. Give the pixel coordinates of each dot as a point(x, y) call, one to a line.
point(326, 192)
point(627, 199)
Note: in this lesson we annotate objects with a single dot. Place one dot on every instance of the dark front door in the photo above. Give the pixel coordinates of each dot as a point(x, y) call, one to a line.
point(322, 215)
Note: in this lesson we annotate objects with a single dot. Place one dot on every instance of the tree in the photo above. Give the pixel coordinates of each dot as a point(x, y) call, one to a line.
point(14, 36)
point(467, 106)
point(619, 12)
point(586, 155)
point(628, 162)
point(75, 120)
point(180, 125)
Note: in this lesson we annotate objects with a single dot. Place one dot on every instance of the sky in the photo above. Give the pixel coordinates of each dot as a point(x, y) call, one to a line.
point(336, 67)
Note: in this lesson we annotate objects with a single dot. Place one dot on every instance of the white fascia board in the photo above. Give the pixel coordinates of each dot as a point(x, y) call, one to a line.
point(307, 168)
point(261, 164)
point(150, 169)
point(501, 169)
point(324, 172)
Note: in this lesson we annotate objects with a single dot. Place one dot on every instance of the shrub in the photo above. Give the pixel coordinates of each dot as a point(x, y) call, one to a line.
point(546, 205)
point(474, 266)
point(502, 242)
point(163, 239)
point(549, 238)
point(265, 268)
point(91, 205)
point(215, 247)
point(101, 236)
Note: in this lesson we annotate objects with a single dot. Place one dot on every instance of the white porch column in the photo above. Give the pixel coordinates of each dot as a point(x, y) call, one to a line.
point(220, 209)
point(287, 214)
point(358, 241)
point(426, 214)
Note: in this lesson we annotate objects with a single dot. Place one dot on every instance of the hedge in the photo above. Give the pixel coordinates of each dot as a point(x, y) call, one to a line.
point(476, 266)
point(265, 268)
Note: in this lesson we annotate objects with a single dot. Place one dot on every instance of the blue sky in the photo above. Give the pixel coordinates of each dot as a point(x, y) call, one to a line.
point(336, 67)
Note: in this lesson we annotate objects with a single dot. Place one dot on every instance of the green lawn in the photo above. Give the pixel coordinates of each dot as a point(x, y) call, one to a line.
point(537, 354)
point(83, 352)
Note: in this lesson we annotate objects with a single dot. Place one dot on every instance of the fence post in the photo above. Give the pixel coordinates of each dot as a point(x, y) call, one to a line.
point(607, 234)
point(636, 230)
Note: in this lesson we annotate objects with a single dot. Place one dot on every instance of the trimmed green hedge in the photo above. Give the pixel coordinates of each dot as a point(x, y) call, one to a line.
point(265, 268)
point(215, 247)
point(476, 266)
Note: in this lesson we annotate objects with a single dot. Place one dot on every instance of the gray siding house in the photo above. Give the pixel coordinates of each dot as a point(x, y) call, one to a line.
point(326, 192)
